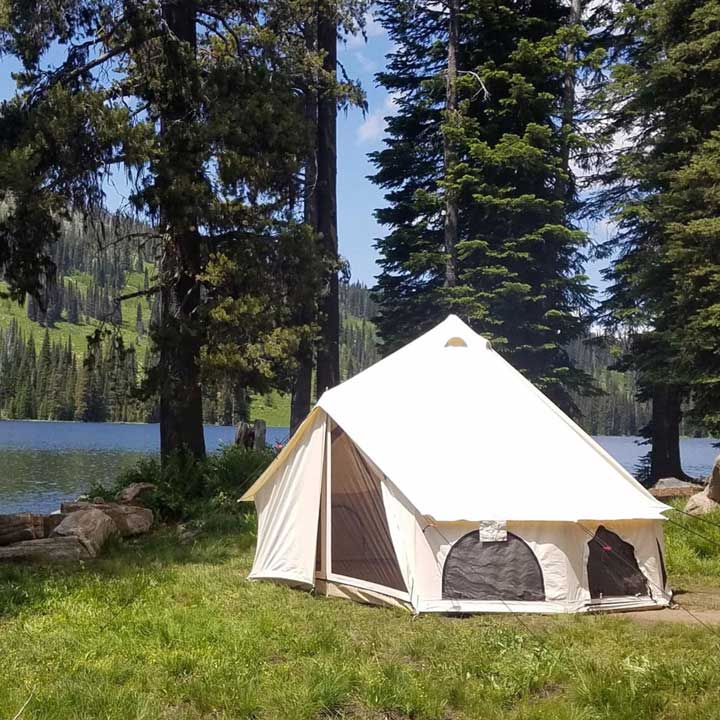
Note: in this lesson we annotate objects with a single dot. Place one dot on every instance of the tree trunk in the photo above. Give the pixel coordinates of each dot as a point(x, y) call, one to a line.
point(451, 207)
point(180, 341)
point(665, 433)
point(302, 388)
point(328, 355)
point(565, 186)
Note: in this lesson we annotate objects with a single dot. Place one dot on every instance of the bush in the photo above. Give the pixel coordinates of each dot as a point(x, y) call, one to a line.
point(188, 488)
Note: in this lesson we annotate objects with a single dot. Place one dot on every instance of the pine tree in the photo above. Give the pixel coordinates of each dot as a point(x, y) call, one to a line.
point(139, 325)
point(664, 102)
point(214, 157)
point(519, 260)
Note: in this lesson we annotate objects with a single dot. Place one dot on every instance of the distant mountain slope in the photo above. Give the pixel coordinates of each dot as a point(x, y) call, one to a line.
point(42, 373)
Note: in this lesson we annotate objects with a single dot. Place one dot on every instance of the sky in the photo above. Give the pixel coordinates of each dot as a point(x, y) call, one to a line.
point(358, 134)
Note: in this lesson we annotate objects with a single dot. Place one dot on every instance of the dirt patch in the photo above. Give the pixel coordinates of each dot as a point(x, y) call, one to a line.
point(692, 606)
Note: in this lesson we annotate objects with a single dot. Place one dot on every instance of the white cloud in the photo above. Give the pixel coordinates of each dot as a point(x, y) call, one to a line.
point(373, 127)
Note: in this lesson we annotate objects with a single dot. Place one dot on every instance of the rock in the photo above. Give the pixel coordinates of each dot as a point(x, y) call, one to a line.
point(19, 527)
point(709, 499)
point(92, 527)
point(45, 550)
point(133, 493)
point(701, 504)
point(50, 522)
point(128, 519)
point(667, 488)
point(187, 535)
point(713, 486)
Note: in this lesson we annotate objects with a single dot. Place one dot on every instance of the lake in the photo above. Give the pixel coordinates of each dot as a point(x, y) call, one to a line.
point(45, 463)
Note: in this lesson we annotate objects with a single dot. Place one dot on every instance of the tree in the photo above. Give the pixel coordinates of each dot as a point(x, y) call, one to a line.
point(662, 100)
point(139, 324)
point(450, 233)
point(518, 252)
point(199, 102)
point(328, 352)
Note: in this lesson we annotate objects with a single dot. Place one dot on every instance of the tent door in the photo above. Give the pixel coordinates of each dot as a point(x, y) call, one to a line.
point(612, 567)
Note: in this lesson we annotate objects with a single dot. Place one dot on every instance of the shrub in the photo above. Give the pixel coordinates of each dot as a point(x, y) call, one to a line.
point(188, 488)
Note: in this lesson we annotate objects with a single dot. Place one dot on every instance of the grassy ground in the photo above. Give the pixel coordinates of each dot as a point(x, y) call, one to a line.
point(161, 630)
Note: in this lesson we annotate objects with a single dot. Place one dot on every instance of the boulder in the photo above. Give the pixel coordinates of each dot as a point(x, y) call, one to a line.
point(701, 504)
point(92, 527)
point(134, 493)
point(45, 550)
point(713, 481)
point(708, 500)
point(19, 527)
point(128, 519)
point(50, 522)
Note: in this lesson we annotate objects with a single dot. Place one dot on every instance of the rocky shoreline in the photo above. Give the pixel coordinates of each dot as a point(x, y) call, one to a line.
point(78, 531)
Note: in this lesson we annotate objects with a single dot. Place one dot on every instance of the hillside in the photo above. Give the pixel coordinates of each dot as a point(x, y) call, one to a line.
point(43, 376)
point(42, 373)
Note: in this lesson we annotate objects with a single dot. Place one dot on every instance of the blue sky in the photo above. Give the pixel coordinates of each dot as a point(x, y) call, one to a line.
point(358, 134)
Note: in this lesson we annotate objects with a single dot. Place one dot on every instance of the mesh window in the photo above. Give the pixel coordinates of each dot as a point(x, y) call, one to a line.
point(612, 568)
point(361, 547)
point(507, 570)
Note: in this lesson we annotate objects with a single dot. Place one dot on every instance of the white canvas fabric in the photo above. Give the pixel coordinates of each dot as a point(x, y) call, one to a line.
point(443, 449)
point(464, 436)
point(288, 506)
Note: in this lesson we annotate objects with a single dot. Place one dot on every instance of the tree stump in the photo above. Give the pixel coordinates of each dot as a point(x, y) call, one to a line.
point(244, 434)
point(259, 435)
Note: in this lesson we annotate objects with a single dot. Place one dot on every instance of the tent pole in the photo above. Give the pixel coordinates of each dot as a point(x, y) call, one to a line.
point(326, 535)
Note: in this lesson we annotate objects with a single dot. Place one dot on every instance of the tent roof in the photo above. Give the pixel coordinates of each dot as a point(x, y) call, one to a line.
point(466, 437)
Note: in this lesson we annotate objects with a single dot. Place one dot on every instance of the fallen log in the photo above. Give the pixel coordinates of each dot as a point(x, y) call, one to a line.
point(45, 550)
point(19, 527)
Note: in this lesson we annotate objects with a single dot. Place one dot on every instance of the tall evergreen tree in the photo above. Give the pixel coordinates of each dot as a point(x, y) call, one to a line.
point(664, 103)
point(198, 101)
point(328, 352)
point(519, 260)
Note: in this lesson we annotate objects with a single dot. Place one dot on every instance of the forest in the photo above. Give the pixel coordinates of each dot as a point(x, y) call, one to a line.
point(219, 279)
point(47, 377)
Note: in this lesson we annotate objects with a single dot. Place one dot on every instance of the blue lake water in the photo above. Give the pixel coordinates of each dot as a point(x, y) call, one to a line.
point(44, 463)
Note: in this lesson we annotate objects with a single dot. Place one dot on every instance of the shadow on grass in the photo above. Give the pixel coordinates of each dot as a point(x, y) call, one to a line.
point(30, 587)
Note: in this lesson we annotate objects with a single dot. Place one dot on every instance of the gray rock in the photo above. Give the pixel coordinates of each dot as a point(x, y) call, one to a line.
point(133, 494)
point(713, 486)
point(92, 527)
point(701, 504)
point(128, 519)
point(45, 550)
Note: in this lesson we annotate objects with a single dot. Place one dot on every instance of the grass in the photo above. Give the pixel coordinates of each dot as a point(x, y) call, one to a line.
point(79, 332)
point(156, 629)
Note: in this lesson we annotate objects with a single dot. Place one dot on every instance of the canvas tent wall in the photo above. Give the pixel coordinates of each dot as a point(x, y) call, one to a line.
point(441, 479)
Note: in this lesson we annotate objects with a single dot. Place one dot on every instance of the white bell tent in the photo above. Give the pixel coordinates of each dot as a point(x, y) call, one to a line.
point(441, 480)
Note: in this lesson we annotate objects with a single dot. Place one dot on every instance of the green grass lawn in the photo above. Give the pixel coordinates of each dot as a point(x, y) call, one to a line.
point(161, 630)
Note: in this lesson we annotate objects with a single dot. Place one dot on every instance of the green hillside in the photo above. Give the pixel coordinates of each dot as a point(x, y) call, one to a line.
point(42, 351)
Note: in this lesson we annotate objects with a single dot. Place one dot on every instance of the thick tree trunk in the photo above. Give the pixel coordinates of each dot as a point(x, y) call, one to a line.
point(328, 354)
point(451, 205)
point(665, 433)
point(564, 186)
point(302, 388)
point(180, 340)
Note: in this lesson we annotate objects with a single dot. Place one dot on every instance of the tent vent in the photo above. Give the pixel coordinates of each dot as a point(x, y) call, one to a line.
point(455, 342)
